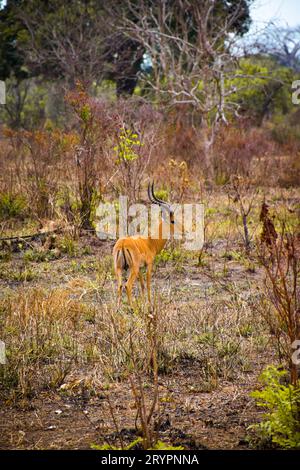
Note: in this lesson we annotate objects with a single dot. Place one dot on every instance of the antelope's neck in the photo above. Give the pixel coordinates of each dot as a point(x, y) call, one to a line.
point(157, 244)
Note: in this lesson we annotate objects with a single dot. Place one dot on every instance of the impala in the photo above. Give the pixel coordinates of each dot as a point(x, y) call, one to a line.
point(134, 252)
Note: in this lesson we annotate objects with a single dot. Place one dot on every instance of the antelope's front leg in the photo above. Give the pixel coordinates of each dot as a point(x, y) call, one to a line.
point(149, 271)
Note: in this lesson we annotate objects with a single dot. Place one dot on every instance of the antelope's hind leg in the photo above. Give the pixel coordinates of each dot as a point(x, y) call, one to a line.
point(119, 279)
point(130, 282)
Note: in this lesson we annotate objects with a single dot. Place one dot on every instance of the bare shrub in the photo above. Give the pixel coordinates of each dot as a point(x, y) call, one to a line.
point(183, 137)
point(279, 253)
point(36, 166)
point(242, 192)
point(239, 151)
point(94, 128)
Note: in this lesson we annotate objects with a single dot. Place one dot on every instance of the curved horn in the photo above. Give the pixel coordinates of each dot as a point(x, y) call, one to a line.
point(158, 201)
point(150, 193)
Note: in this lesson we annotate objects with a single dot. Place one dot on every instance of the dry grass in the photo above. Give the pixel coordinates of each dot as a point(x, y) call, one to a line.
point(66, 339)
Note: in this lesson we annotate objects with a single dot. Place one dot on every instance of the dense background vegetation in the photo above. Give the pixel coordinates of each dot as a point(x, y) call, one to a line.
point(103, 97)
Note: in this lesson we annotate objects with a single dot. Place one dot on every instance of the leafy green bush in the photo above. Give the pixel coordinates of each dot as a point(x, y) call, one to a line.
point(39, 255)
point(67, 246)
point(159, 445)
point(282, 422)
point(162, 194)
point(127, 145)
point(176, 255)
point(262, 87)
point(12, 205)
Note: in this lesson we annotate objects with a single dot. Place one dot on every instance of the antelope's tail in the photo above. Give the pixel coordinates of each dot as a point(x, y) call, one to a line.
point(123, 259)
